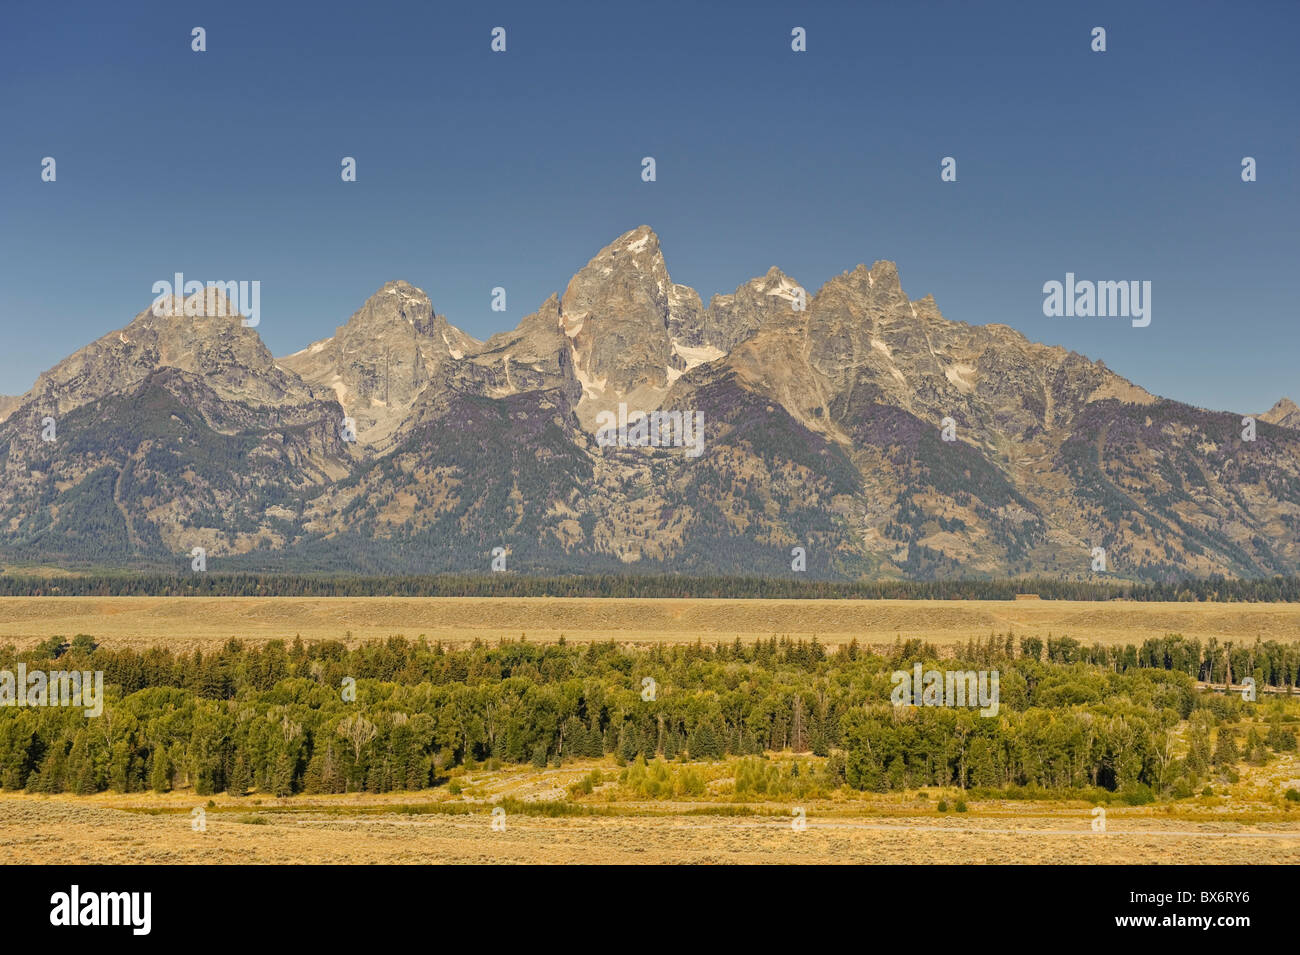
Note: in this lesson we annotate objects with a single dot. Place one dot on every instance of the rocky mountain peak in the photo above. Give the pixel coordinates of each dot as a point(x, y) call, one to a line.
point(202, 334)
point(774, 282)
point(209, 302)
point(536, 355)
point(766, 299)
point(377, 363)
point(884, 273)
point(640, 246)
point(630, 270)
point(395, 302)
point(1284, 414)
point(7, 404)
point(821, 421)
point(621, 311)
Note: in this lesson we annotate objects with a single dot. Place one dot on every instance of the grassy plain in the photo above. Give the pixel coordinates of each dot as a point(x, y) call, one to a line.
point(1250, 827)
point(184, 623)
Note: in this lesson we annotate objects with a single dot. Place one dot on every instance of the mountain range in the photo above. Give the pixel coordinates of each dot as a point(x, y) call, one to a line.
point(856, 423)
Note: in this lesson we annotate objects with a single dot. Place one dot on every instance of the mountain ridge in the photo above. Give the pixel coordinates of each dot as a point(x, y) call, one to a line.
point(856, 423)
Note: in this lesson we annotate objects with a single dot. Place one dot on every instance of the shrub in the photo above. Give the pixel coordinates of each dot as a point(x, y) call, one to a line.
point(1137, 794)
point(53, 648)
point(84, 643)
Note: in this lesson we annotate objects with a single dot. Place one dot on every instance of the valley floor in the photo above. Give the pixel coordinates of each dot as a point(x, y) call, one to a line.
point(548, 821)
point(188, 623)
point(431, 827)
point(69, 830)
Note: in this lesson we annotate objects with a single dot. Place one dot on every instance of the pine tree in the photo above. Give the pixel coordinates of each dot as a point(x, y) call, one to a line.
point(704, 742)
point(595, 744)
point(282, 775)
point(1226, 753)
point(575, 739)
point(240, 777)
point(672, 744)
point(81, 771)
point(1280, 739)
point(628, 746)
point(160, 773)
point(1256, 752)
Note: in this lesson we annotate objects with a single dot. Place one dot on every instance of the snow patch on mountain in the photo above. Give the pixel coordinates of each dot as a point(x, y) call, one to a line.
point(696, 355)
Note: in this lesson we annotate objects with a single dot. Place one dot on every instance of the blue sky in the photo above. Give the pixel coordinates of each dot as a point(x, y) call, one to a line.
point(478, 169)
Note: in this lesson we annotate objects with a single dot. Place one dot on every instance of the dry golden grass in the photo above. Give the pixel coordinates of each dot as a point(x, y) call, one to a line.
point(189, 622)
point(1252, 825)
point(150, 829)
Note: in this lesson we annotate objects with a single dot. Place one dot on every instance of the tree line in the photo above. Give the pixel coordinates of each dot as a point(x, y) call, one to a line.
point(1219, 589)
point(398, 714)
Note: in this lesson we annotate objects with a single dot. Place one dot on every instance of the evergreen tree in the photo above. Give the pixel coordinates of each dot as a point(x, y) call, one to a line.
point(595, 744)
point(672, 743)
point(160, 774)
point(1256, 752)
point(240, 777)
point(1280, 739)
point(1226, 753)
point(628, 747)
point(704, 743)
point(575, 739)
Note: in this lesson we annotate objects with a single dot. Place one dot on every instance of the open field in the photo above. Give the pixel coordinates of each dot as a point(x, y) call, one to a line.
point(184, 623)
point(65, 831)
point(431, 827)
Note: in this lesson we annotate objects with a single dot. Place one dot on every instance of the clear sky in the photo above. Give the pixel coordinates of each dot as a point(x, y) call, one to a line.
point(478, 169)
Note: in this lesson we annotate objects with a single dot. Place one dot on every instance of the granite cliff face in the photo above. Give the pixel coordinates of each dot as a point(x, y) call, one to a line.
point(378, 364)
point(851, 421)
point(620, 313)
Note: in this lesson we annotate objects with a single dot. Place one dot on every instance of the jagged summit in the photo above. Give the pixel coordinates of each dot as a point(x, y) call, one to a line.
point(382, 359)
point(822, 417)
point(202, 334)
point(1285, 414)
point(621, 313)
